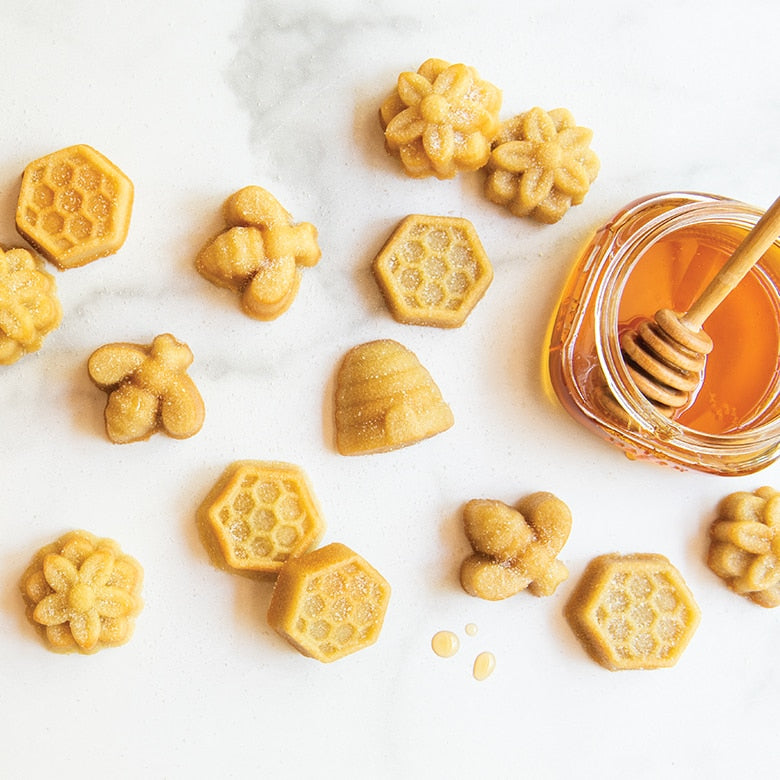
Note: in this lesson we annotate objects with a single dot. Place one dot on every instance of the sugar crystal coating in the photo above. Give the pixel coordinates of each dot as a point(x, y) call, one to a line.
point(260, 253)
point(329, 602)
point(515, 548)
point(261, 513)
point(745, 545)
point(148, 389)
point(74, 206)
point(633, 611)
point(541, 164)
point(29, 307)
point(385, 399)
point(441, 119)
point(83, 593)
point(433, 271)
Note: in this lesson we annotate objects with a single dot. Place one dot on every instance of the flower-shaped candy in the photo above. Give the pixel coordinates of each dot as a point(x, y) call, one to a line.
point(29, 308)
point(745, 545)
point(441, 119)
point(83, 593)
point(541, 164)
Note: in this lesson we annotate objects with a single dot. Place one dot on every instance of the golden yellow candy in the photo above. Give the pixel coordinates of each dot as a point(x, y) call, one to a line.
point(633, 611)
point(541, 164)
point(83, 593)
point(515, 548)
point(148, 389)
point(260, 514)
point(441, 119)
point(260, 253)
point(385, 399)
point(745, 545)
point(29, 307)
point(74, 206)
point(329, 602)
point(433, 271)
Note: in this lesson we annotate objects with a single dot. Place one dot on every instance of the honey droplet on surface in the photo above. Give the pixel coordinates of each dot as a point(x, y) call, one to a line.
point(471, 629)
point(484, 664)
point(445, 644)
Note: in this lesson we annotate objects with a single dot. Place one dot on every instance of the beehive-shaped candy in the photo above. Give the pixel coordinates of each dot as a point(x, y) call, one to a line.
point(385, 399)
point(633, 611)
point(329, 602)
point(83, 593)
point(433, 271)
point(29, 307)
point(745, 545)
point(261, 513)
point(74, 206)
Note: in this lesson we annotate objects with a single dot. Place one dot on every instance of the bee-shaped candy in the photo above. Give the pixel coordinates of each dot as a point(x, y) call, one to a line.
point(148, 389)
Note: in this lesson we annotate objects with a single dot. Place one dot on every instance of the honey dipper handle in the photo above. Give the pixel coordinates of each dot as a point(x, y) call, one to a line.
point(746, 255)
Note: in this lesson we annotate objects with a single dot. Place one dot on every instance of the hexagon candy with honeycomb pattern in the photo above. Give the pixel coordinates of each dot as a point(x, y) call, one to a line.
point(261, 513)
point(633, 611)
point(433, 271)
point(74, 206)
point(329, 603)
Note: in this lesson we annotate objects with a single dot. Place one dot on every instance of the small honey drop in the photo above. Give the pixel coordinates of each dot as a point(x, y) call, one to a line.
point(471, 629)
point(445, 644)
point(484, 664)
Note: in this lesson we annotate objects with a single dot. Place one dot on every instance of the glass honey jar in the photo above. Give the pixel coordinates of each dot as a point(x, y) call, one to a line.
point(661, 252)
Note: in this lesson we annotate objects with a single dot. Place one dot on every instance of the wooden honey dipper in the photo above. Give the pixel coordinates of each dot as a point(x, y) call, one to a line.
point(666, 355)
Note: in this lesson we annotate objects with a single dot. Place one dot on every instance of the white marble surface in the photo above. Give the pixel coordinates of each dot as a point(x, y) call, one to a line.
point(193, 101)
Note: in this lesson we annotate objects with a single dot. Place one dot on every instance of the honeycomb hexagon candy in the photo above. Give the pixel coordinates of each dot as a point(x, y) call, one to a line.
point(261, 513)
point(745, 544)
point(385, 399)
point(441, 119)
point(29, 307)
point(260, 253)
point(74, 206)
point(633, 611)
point(541, 164)
point(433, 271)
point(329, 602)
point(148, 389)
point(83, 593)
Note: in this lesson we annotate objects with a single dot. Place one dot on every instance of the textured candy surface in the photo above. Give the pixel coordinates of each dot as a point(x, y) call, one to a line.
point(633, 611)
point(329, 602)
point(433, 271)
point(83, 593)
point(74, 206)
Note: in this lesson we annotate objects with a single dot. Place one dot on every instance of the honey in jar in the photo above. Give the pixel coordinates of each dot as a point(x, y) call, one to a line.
point(661, 252)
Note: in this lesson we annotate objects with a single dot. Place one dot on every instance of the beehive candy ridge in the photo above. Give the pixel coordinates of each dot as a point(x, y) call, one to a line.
point(385, 399)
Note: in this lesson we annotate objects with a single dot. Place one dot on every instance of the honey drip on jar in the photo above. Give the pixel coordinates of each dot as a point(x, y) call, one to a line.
point(744, 328)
